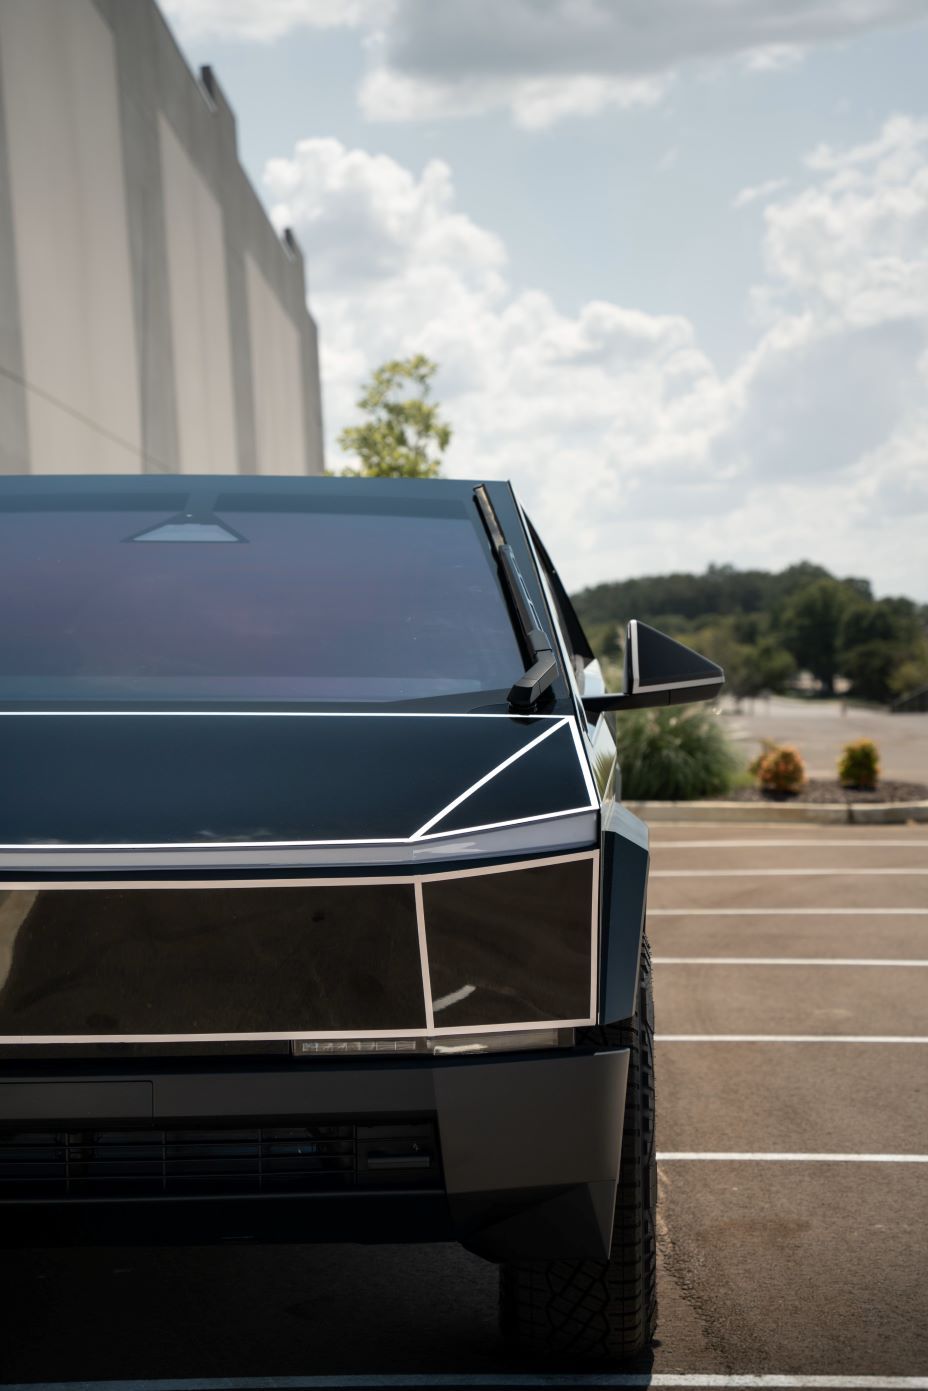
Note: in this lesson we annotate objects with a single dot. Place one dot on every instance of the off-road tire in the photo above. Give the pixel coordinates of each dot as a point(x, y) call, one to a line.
point(604, 1309)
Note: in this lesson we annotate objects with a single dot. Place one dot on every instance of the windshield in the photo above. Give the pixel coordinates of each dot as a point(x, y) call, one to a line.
point(248, 597)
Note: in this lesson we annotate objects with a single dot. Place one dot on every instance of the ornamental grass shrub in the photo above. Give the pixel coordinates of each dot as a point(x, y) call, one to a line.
point(674, 755)
point(859, 764)
point(779, 769)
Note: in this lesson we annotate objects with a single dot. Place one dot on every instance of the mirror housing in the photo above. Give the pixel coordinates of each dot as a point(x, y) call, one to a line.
point(659, 671)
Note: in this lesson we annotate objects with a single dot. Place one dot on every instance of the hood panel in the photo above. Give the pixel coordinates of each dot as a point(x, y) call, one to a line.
point(549, 779)
point(181, 779)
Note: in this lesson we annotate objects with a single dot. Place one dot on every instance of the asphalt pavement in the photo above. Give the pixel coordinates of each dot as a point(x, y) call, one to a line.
point(821, 728)
point(793, 1212)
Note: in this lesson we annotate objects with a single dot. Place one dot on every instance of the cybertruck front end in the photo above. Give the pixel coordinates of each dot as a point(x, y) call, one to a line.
point(318, 916)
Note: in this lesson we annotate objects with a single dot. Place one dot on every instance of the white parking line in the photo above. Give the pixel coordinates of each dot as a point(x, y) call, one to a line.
point(687, 1381)
point(783, 844)
point(787, 1158)
point(781, 961)
point(784, 912)
point(766, 873)
point(787, 1038)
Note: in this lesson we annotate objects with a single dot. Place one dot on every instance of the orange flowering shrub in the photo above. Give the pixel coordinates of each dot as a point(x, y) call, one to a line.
point(779, 769)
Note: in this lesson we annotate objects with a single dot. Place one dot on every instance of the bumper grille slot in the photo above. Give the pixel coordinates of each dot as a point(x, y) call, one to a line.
point(141, 1163)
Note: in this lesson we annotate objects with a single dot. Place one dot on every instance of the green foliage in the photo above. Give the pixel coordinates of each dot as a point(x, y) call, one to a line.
point(881, 620)
point(678, 601)
point(404, 435)
point(859, 764)
point(876, 639)
point(764, 627)
point(605, 639)
point(753, 664)
point(769, 668)
point(673, 754)
point(779, 769)
point(870, 668)
point(912, 672)
point(811, 625)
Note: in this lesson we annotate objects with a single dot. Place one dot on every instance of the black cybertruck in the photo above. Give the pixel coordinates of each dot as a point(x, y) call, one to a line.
point(320, 918)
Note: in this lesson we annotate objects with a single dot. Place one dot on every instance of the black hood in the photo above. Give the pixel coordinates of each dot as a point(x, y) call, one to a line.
point(192, 780)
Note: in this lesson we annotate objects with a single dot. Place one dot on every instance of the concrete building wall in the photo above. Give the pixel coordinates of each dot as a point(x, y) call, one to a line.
point(150, 317)
point(275, 367)
point(200, 328)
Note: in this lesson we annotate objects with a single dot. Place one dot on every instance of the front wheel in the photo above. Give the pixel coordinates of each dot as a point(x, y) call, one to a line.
point(608, 1308)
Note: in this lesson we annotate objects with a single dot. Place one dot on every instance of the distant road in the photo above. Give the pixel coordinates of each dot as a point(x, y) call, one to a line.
point(820, 731)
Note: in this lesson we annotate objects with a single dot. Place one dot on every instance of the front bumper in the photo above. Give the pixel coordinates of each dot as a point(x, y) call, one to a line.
point(529, 1150)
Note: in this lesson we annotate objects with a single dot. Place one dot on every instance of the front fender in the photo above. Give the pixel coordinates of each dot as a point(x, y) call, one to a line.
point(625, 861)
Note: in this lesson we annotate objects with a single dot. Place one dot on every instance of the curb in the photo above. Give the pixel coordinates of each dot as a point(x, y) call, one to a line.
point(788, 813)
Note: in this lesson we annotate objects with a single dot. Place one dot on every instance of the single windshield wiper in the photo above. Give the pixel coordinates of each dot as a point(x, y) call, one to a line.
point(532, 684)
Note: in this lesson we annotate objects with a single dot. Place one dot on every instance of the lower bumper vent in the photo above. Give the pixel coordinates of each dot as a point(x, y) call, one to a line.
point(241, 1162)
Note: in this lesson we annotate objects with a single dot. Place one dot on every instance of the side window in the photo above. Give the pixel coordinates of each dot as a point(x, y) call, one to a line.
point(581, 652)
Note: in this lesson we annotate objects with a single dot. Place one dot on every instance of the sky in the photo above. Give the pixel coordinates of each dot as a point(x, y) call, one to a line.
point(671, 256)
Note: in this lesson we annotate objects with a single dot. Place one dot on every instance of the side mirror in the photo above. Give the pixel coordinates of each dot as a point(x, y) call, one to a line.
point(659, 671)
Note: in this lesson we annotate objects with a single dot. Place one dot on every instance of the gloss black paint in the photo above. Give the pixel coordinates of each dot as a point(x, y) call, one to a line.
point(529, 1143)
point(163, 779)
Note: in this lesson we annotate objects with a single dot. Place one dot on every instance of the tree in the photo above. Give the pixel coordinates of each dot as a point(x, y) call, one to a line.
point(911, 673)
point(875, 639)
point(403, 435)
point(753, 666)
point(881, 620)
point(766, 669)
point(869, 667)
point(811, 625)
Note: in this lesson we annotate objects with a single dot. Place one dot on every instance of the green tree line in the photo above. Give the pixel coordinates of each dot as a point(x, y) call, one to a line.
point(764, 627)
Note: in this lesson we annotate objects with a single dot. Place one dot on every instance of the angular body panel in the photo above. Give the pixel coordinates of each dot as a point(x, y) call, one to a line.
point(225, 778)
point(174, 961)
point(312, 883)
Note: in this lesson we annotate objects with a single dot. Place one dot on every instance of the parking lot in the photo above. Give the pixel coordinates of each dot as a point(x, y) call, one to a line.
point(791, 985)
point(821, 728)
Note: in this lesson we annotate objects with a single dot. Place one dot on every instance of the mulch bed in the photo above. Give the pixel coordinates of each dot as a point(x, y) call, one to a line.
point(830, 790)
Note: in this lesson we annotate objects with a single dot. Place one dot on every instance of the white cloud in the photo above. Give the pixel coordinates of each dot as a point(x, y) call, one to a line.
point(758, 193)
point(536, 103)
point(633, 451)
point(900, 141)
point(367, 219)
point(854, 246)
point(774, 57)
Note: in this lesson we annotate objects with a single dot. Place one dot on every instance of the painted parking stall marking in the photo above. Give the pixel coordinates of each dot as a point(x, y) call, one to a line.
point(809, 842)
point(784, 961)
point(787, 870)
point(790, 1038)
point(726, 1157)
point(688, 1381)
point(685, 1380)
point(849, 912)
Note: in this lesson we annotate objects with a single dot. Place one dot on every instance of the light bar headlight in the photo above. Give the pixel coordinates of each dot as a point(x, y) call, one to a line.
point(511, 1041)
